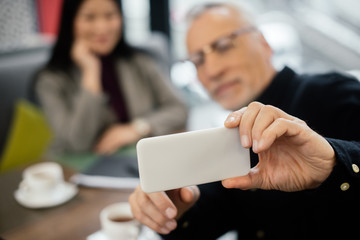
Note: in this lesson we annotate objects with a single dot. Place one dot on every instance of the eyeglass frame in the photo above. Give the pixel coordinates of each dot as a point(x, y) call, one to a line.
point(212, 47)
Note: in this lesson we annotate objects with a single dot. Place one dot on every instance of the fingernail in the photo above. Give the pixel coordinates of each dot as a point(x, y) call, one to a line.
point(255, 145)
point(242, 110)
point(164, 231)
point(230, 119)
point(170, 213)
point(171, 225)
point(245, 141)
point(260, 144)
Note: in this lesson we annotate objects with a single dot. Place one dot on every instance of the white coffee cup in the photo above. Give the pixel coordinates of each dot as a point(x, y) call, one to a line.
point(118, 223)
point(42, 178)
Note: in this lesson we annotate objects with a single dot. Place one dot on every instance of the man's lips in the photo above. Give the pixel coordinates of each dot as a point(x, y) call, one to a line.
point(223, 88)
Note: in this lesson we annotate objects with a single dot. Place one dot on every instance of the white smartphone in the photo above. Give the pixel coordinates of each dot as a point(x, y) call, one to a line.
point(191, 158)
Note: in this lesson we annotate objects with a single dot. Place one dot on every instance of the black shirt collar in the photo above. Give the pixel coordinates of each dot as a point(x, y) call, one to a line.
point(275, 94)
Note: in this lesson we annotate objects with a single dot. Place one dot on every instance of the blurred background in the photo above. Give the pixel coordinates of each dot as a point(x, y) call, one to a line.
point(308, 35)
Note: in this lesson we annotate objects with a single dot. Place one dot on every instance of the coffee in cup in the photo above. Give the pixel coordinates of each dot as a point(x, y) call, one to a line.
point(117, 222)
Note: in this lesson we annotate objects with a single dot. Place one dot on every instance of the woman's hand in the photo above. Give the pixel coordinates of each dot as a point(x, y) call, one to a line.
point(292, 157)
point(83, 57)
point(160, 210)
point(116, 137)
point(89, 64)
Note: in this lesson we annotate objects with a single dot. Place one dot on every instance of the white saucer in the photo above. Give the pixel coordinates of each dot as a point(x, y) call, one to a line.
point(99, 235)
point(61, 194)
point(145, 234)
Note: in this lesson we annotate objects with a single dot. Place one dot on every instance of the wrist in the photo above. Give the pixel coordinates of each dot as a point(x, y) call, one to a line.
point(91, 81)
point(91, 70)
point(142, 127)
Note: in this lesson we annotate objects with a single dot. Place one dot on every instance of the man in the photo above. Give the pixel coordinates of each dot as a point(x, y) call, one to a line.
point(306, 139)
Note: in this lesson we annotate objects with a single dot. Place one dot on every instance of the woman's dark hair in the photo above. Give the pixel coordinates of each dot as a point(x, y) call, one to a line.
point(61, 53)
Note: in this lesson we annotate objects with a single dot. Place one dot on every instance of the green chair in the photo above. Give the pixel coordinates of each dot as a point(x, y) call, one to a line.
point(28, 138)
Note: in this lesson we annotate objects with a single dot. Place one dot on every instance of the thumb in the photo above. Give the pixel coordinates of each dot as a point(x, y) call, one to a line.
point(249, 181)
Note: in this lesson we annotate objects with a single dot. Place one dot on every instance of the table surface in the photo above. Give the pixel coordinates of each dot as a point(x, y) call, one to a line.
point(75, 219)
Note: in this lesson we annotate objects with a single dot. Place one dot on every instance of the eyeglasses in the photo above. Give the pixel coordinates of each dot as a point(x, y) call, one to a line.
point(220, 46)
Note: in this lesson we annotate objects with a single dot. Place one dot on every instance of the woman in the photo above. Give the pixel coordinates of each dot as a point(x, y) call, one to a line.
point(97, 92)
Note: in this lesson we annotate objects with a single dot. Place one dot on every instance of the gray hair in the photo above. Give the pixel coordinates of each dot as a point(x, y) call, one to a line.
point(200, 9)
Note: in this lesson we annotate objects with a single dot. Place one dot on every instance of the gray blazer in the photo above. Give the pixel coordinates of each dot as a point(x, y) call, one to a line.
point(78, 117)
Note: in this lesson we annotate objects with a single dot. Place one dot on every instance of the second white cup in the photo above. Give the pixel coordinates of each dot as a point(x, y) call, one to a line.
point(118, 223)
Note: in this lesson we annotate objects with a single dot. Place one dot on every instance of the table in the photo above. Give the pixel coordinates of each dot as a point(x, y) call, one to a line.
point(75, 219)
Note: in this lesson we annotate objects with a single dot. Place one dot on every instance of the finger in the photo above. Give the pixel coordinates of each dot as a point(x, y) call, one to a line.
point(154, 226)
point(247, 122)
point(164, 204)
point(190, 194)
point(78, 47)
point(143, 218)
point(157, 210)
point(153, 214)
point(265, 117)
point(280, 127)
point(148, 212)
point(99, 147)
point(233, 120)
point(106, 145)
point(109, 151)
point(111, 147)
point(81, 41)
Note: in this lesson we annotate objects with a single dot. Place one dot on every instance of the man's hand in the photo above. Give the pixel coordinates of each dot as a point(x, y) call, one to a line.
point(292, 157)
point(160, 210)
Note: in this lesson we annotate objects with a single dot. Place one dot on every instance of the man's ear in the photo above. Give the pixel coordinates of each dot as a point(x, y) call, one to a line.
point(266, 45)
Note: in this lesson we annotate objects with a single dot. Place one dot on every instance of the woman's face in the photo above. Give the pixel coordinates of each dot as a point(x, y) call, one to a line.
point(98, 24)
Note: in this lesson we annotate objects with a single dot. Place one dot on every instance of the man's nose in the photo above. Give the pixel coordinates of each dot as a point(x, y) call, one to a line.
point(213, 66)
